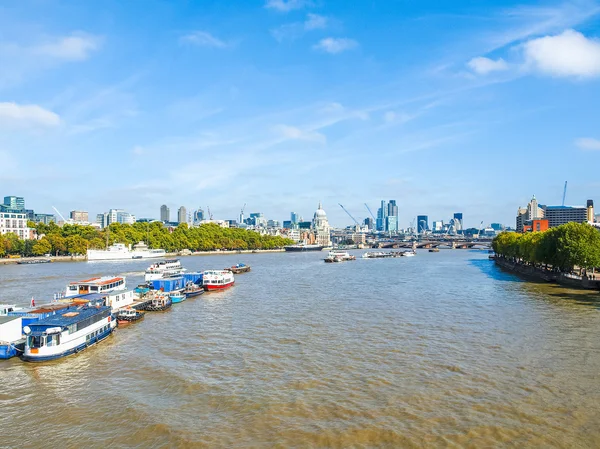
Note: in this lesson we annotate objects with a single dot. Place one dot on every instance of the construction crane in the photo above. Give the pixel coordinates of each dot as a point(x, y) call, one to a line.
point(353, 219)
point(242, 213)
point(564, 193)
point(209, 213)
point(61, 215)
point(367, 206)
point(481, 228)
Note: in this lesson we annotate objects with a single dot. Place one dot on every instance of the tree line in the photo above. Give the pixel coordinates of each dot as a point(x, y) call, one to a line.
point(77, 239)
point(561, 249)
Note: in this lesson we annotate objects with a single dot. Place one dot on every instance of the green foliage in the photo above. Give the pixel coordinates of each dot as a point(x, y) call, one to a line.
point(563, 247)
point(76, 239)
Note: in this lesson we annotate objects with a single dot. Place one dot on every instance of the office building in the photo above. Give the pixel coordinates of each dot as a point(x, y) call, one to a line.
point(391, 223)
point(458, 221)
point(14, 202)
point(182, 215)
point(521, 219)
point(369, 223)
point(15, 223)
point(381, 216)
point(532, 217)
point(422, 223)
point(44, 218)
point(384, 222)
point(165, 214)
point(559, 215)
point(79, 216)
point(294, 218)
point(437, 226)
point(198, 215)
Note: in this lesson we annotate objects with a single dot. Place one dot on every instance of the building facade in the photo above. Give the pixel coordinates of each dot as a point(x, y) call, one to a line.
point(79, 215)
point(14, 202)
point(559, 215)
point(165, 214)
point(422, 223)
point(15, 223)
point(458, 221)
point(321, 227)
point(182, 215)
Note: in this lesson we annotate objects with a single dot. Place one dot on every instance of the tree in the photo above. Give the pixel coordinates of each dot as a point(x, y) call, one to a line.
point(58, 243)
point(42, 247)
point(76, 245)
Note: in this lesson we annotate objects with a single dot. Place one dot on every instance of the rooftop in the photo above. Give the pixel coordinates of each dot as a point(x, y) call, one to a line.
point(71, 315)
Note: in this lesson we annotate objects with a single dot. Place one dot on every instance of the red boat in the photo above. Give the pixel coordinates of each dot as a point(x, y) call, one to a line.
point(217, 279)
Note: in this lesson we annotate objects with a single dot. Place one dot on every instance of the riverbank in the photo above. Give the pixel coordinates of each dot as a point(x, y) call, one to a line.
point(8, 261)
point(566, 279)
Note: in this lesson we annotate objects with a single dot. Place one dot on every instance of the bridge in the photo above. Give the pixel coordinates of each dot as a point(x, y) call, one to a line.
point(428, 244)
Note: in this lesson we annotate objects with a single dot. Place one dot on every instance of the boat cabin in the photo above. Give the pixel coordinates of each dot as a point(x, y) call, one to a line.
point(95, 285)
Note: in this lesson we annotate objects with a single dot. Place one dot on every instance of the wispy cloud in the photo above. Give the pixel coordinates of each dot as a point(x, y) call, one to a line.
point(567, 54)
point(483, 66)
point(287, 5)
point(76, 47)
point(315, 22)
point(335, 45)
point(294, 133)
point(296, 29)
point(203, 39)
point(12, 114)
point(588, 144)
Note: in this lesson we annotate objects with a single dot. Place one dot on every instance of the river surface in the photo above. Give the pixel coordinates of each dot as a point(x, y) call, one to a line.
point(439, 350)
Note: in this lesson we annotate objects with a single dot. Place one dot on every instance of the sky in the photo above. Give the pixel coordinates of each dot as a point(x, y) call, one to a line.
point(463, 106)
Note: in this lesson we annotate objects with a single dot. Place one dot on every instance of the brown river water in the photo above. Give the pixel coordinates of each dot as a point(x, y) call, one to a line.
point(439, 350)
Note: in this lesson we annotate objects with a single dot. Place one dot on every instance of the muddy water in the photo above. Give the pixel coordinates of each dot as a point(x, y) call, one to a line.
point(439, 350)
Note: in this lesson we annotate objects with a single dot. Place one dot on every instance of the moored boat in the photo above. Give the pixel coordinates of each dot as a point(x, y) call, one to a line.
point(102, 284)
point(177, 297)
point(217, 279)
point(12, 342)
point(191, 290)
point(33, 261)
point(411, 253)
point(163, 269)
point(339, 256)
point(159, 302)
point(434, 250)
point(69, 331)
point(303, 247)
point(239, 268)
point(120, 251)
point(125, 316)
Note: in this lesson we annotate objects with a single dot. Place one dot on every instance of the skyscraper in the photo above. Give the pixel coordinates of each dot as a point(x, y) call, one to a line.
point(294, 218)
point(164, 213)
point(387, 216)
point(422, 223)
point(14, 202)
point(382, 214)
point(458, 221)
point(182, 215)
point(198, 215)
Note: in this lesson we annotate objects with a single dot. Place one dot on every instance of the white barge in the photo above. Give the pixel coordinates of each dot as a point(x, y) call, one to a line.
point(119, 251)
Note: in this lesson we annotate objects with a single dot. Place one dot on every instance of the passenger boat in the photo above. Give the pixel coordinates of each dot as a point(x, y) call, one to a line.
point(159, 302)
point(12, 342)
point(191, 290)
point(126, 316)
point(163, 269)
point(6, 308)
point(376, 255)
point(303, 247)
point(177, 297)
point(217, 279)
point(339, 256)
point(69, 331)
point(33, 261)
point(102, 284)
point(411, 253)
point(239, 268)
point(119, 251)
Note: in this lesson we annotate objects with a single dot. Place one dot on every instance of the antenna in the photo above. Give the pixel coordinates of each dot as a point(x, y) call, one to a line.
point(564, 193)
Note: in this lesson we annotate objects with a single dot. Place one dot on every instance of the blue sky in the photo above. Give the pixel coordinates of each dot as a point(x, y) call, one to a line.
point(463, 106)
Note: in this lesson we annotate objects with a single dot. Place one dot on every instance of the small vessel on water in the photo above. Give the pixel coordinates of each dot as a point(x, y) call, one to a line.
point(410, 253)
point(119, 251)
point(159, 302)
point(126, 316)
point(177, 297)
point(303, 247)
point(70, 330)
point(239, 268)
point(102, 284)
point(163, 269)
point(339, 256)
point(217, 279)
point(376, 255)
point(191, 290)
point(33, 261)
point(434, 250)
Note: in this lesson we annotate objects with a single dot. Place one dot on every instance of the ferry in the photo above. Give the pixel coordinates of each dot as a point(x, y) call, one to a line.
point(303, 247)
point(339, 256)
point(71, 330)
point(102, 284)
point(217, 279)
point(119, 251)
point(163, 269)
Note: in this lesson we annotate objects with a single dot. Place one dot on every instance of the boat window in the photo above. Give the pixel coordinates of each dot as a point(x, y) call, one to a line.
point(94, 288)
point(72, 287)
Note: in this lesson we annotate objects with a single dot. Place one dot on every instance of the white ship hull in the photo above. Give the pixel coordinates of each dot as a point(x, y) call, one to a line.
point(93, 254)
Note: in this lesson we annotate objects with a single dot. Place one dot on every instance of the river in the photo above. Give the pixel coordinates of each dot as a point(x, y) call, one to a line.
point(439, 350)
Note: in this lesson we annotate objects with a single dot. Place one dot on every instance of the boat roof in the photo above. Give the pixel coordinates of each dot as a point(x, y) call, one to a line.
point(98, 280)
point(70, 315)
point(6, 319)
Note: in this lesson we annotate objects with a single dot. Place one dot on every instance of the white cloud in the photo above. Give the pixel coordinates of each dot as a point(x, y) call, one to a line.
point(29, 114)
point(76, 47)
point(483, 66)
point(286, 5)
point(315, 22)
point(293, 133)
point(567, 54)
point(588, 143)
point(203, 39)
point(138, 150)
point(335, 45)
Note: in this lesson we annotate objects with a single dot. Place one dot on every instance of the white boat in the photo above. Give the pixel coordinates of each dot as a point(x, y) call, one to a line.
point(101, 285)
point(217, 279)
point(163, 269)
point(409, 253)
point(119, 251)
point(5, 308)
point(70, 330)
point(339, 256)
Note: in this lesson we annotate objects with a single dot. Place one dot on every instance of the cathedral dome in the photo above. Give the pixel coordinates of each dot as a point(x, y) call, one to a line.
point(320, 213)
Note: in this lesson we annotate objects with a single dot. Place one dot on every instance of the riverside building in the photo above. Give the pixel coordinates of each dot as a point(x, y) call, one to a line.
point(534, 216)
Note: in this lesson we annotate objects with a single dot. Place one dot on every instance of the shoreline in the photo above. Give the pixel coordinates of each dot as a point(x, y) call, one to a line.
point(15, 261)
point(567, 280)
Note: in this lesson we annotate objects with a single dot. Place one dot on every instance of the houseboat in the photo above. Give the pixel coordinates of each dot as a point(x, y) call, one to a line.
point(163, 269)
point(120, 251)
point(116, 299)
point(100, 285)
point(217, 279)
point(12, 342)
point(69, 331)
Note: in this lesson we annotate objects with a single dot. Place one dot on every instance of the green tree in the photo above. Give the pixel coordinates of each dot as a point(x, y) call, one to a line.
point(76, 245)
point(42, 247)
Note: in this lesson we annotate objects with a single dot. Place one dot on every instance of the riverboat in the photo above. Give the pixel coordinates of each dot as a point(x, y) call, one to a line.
point(101, 285)
point(376, 255)
point(126, 316)
point(163, 269)
point(339, 256)
point(119, 251)
point(303, 247)
point(191, 290)
point(239, 268)
point(177, 297)
point(159, 303)
point(6, 308)
point(434, 250)
point(411, 253)
point(69, 331)
point(12, 342)
point(33, 261)
point(217, 279)
point(116, 299)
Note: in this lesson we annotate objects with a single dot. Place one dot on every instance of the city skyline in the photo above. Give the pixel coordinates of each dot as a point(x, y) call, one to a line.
point(436, 105)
